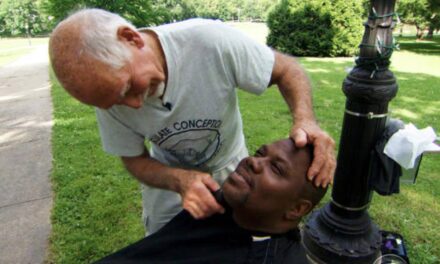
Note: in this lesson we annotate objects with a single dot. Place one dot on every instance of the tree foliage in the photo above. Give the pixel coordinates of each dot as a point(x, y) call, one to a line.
point(21, 17)
point(153, 12)
point(173, 10)
point(231, 9)
point(16, 15)
point(139, 12)
point(424, 14)
point(316, 27)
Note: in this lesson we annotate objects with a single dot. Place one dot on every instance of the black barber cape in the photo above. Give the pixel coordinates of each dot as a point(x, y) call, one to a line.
point(217, 239)
point(385, 172)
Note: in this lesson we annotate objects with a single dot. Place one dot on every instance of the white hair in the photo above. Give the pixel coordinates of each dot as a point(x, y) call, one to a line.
point(99, 36)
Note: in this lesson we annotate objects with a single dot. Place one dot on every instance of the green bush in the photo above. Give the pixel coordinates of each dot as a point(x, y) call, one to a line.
point(316, 27)
point(139, 12)
point(22, 17)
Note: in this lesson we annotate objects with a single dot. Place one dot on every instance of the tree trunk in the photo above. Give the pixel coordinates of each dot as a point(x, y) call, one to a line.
point(430, 32)
point(419, 33)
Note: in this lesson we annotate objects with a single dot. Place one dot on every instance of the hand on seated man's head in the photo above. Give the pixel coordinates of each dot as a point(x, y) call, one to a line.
point(269, 191)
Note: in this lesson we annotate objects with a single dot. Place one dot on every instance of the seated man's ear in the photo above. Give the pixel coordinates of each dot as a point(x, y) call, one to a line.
point(298, 210)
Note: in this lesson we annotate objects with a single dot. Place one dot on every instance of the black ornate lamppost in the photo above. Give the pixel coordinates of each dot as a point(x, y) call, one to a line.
point(342, 231)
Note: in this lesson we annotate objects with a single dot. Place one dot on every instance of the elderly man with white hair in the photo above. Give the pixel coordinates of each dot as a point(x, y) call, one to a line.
point(175, 86)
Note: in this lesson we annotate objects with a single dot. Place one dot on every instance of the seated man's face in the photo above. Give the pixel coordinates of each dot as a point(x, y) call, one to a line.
point(265, 189)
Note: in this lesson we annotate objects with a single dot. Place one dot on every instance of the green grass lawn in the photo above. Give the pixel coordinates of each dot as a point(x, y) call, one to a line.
point(97, 206)
point(13, 48)
point(415, 211)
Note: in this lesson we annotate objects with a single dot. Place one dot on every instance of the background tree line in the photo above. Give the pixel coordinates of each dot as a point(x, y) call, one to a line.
point(313, 27)
point(423, 14)
point(21, 17)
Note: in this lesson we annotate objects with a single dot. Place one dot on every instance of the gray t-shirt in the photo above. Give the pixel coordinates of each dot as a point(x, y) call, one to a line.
point(197, 124)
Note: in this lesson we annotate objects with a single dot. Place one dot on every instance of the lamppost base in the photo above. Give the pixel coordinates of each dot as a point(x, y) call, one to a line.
point(330, 239)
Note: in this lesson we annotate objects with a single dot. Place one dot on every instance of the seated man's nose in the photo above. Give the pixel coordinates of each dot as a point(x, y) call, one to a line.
point(255, 164)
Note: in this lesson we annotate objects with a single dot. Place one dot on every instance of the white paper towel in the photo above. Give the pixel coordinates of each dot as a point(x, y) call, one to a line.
point(408, 143)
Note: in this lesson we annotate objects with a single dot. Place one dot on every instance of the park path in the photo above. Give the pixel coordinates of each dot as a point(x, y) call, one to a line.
point(25, 159)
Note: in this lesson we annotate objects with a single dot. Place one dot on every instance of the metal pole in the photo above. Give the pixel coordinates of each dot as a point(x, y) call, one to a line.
point(342, 231)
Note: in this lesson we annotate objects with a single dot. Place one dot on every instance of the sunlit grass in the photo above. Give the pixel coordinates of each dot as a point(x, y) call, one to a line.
point(410, 62)
point(8, 43)
point(257, 31)
point(97, 204)
point(415, 211)
point(13, 48)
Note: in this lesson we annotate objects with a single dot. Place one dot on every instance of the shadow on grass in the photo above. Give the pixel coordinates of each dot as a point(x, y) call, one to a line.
point(413, 211)
point(97, 206)
point(417, 100)
point(426, 46)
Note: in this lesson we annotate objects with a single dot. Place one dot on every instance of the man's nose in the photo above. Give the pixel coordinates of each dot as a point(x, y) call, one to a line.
point(255, 164)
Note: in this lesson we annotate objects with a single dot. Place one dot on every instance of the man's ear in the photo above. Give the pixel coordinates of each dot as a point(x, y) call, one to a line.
point(130, 36)
point(298, 210)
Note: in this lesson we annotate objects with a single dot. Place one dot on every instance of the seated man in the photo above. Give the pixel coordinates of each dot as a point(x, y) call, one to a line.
point(265, 197)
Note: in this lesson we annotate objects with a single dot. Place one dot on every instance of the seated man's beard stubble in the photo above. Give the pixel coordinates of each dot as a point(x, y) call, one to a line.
point(269, 192)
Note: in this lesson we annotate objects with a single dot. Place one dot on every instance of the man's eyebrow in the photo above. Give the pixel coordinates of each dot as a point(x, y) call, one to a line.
point(263, 149)
point(284, 159)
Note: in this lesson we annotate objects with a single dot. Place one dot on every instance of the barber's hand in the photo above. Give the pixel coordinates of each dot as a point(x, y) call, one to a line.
point(323, 166)
point(196, 190)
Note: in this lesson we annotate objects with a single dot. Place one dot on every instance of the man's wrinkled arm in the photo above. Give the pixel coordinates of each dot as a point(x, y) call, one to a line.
point(296, 89)
point(194, 187)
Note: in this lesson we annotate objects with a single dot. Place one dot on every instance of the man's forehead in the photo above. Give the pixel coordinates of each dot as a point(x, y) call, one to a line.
point(285, 145)
point(103, 85)
point(286, 150)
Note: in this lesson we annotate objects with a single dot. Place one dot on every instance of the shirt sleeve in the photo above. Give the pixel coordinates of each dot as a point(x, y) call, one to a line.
point(118, 138)
point(251, 62)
